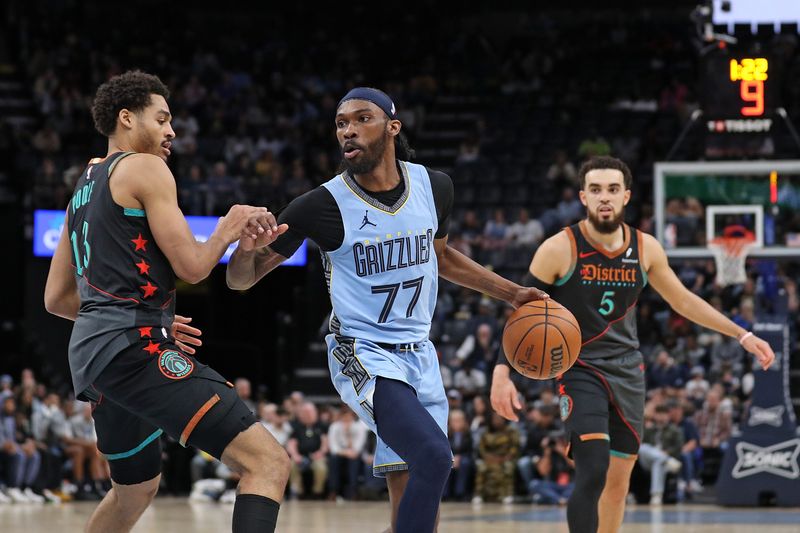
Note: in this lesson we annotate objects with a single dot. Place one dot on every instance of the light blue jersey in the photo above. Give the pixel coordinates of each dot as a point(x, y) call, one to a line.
point(383, 279)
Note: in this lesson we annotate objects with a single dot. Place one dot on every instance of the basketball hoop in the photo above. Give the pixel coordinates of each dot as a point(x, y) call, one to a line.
point(730, 252)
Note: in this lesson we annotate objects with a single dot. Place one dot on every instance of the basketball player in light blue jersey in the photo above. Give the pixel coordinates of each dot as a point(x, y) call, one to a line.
point(382, 228)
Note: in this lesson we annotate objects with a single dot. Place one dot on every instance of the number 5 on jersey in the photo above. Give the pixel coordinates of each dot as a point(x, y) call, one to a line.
point(606, 303)
point(81, 261)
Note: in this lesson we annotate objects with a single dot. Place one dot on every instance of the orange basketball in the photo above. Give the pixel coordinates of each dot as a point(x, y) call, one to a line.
point(542, 339)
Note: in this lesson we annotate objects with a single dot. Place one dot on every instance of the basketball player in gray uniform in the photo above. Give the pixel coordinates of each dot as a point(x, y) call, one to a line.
point(596, 269)
point(113, 274)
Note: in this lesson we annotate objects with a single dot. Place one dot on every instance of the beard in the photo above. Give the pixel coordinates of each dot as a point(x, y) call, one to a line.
point(369, 158)
point(606, 226)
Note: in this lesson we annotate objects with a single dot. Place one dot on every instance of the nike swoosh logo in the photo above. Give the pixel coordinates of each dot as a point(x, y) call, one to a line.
point(584, 255)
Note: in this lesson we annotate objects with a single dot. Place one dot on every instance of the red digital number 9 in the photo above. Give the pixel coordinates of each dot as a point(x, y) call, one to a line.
point(752, 91)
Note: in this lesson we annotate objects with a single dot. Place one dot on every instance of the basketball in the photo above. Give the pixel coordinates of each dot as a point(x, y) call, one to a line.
point(542, 339)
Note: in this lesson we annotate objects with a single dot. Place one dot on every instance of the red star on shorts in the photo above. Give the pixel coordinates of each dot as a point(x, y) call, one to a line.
point(145, 332)
point(561, 390)
point(144, 268)
point(149, 290)
point(152, 348)
point(140, 243)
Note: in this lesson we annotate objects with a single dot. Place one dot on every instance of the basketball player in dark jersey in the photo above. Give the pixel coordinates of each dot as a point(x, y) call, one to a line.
point(596, 269)
point(113, 273)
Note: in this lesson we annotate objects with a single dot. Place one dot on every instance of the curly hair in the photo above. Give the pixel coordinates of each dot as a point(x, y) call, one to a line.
point(131, 91)
point(604, 162)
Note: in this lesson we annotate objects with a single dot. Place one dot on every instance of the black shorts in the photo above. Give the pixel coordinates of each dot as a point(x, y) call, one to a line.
point(153, 388)
point(604, 399)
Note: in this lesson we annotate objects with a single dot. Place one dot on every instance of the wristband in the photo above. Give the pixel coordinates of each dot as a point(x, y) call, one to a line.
point(743, 337)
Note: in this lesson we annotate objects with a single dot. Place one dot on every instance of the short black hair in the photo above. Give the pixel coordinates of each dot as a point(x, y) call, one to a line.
point(602, 162)
point(131, 91)
point(403, 150)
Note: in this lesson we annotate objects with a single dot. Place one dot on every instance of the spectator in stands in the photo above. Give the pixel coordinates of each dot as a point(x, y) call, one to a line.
point(6, 387)
point(463, 464)
point(525, 232)
point(308, 448)
point(660, 451)
point(22, 459)
point(479, 350)
point(664, 372)
point(498, 449)
point(193, 191)
point(223, 190)
point(569, 209)
point(562, 172)
point(495, 236)
point(471, 231)
point(547, 398)
point(689, 352)
point(541, 423)
point(48, 425)
point(469, 381)
point(555, 476)
point(276, 420)
point(727, 353)
point(47, 140)
point(80, 444)
point(479, 417)
point(593, 145)
point(714, 425)
point(690, 451)
point(245, 392)
point(346, 438)
point(697, 386)
point(298, 183)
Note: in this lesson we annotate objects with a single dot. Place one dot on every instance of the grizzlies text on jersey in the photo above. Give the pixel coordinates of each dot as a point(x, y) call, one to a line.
point(383, 279)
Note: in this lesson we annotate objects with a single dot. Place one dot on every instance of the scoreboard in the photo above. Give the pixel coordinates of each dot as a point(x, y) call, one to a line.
point(740, 92)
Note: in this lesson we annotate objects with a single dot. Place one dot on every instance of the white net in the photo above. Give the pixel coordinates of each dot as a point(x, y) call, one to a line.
point(730, 254)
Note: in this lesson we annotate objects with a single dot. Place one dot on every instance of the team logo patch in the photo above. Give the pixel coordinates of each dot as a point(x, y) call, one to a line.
point(565, 406)
point(175, 365)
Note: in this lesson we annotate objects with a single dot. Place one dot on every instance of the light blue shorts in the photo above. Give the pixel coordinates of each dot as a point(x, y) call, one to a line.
point(355, 365)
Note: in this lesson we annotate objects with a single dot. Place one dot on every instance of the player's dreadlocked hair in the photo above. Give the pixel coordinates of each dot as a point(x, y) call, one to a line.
point(402, 150)
point(131, 91)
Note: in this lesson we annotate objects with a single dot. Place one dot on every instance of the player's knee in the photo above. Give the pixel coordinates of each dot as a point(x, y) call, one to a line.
point(435, 458)
point(616, 490)
point(133, 499)
point(591, 465)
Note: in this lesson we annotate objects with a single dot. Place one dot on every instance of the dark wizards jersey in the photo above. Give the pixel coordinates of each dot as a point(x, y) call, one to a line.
point(601, 289)
point(126, 284)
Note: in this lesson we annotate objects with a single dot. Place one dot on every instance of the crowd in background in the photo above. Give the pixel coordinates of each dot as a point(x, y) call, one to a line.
point(253, 118)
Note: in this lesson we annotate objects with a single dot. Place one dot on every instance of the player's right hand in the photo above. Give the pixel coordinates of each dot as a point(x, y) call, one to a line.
point(240, 217)
point(504, 396)
point(247, 243)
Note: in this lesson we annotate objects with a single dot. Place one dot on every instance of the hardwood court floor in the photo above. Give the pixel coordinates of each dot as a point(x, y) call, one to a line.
point(177, 514)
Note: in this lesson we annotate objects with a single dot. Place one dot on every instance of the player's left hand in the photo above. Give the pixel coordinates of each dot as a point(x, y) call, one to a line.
point(761, 349)
point(528, 294)
point(184, 334)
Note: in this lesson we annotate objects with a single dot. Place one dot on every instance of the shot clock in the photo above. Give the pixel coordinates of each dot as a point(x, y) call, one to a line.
point(740, 92)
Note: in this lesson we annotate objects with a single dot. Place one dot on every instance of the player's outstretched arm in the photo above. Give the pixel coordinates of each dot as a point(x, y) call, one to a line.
point(550, 262)
point(61, 292)
point(688, 304)
point(248, 265)
point(191, 260)
point(461, 270)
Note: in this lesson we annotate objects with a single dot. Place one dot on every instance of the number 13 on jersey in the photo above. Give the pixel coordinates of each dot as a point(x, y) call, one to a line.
point(81, 260)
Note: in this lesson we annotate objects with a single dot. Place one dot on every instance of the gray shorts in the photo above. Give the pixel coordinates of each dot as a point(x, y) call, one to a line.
point(604, 399)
